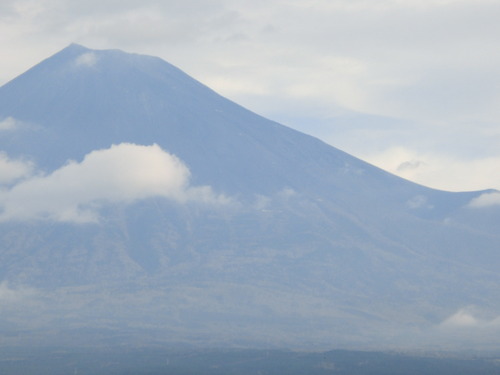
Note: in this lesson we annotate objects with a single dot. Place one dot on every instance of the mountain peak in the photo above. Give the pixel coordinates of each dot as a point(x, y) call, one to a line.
point(75, 46)
point(82, 100)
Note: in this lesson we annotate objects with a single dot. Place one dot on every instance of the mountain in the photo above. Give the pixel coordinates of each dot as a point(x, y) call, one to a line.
point(138, 204)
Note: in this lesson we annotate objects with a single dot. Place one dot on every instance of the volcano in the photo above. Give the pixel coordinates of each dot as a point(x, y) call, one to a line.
point(138, 204)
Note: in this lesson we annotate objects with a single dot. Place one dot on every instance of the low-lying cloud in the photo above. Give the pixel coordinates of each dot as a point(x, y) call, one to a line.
point(486, 200)
point(123, 173)
point(88, 59)
point(419, 202)
point(468, 317)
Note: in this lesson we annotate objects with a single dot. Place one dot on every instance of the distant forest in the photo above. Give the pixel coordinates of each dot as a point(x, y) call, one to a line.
point(134, 361)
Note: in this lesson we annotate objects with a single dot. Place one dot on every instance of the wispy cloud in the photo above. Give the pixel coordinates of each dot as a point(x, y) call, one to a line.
point(439, 170)
point(87, 59)
point(123, 173)
point(418, 202)
point(9, 123)
point(10, 295)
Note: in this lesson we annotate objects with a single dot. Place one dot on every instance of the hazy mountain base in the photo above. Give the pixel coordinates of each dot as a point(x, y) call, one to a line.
point(127, 281)
point(79, 316)
point(159, 361)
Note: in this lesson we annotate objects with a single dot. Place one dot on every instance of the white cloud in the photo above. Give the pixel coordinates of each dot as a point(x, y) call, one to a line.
point(468, 317)
point(9, 123)
point(462, 318)
point(121, 174)
point(88, 59)
point(486, 200)
point(12, 170)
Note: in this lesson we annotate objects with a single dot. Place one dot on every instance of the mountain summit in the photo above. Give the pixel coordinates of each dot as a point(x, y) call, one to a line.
point(134, 199)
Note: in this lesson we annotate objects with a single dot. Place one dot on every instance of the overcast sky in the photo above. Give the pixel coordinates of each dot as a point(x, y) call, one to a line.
point(410, 85)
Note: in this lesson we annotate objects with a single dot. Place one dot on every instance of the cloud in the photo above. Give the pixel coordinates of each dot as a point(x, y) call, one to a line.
point(123, 173)
point(467, 317)
point(88, 59)
point(12, 170)
point(486, 200)
point(439, 171)
point(9, 123)
point(419, 201)
point(462, 318)
point(268, 203)
point(410, 165)
point(9, 295)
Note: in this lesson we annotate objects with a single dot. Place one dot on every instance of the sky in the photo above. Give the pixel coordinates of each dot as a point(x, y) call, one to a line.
point(412, 86)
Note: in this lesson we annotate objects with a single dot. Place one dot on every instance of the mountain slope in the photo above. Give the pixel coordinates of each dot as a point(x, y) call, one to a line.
point(85, 100)
point(232, 226)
